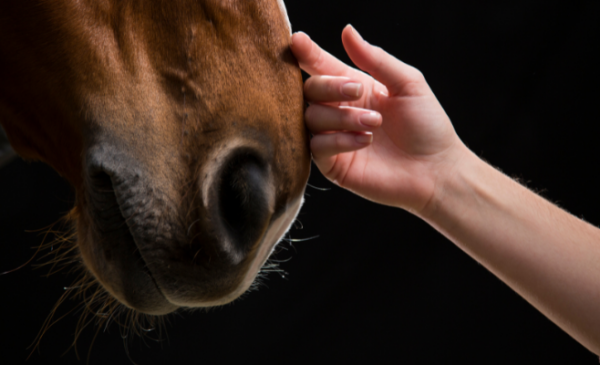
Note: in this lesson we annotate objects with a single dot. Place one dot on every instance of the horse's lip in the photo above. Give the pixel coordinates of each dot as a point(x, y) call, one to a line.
point(116, 239)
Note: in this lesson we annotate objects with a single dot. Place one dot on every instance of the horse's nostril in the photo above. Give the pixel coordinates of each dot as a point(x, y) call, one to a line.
point(243, 196)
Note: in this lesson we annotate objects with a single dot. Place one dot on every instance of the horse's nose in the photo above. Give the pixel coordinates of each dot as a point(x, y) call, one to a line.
point(244, 200)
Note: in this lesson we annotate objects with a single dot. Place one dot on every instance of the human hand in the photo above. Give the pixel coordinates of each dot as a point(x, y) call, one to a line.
point(385, 137)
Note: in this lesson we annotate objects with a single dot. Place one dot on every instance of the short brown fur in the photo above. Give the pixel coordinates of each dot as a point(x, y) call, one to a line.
point(166, 84)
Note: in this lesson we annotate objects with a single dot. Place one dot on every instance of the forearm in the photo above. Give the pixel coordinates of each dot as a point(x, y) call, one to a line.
point(545, 254)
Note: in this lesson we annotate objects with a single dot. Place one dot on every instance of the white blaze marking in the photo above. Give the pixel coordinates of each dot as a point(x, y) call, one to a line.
point(285, 15)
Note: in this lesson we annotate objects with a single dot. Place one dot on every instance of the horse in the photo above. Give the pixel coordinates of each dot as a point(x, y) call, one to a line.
point(179, 125)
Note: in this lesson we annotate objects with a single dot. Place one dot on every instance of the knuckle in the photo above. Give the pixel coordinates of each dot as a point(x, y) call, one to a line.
point(339, 141)
point(313, 54)
point(382, 56)
point(347, 119)
point(379, 55)
point(333, 86)
point(415, 75)
point(412, 88)
point(318, 56)
point(414, 83)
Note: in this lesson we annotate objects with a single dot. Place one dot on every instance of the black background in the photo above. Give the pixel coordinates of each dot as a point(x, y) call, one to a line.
point(520, 83)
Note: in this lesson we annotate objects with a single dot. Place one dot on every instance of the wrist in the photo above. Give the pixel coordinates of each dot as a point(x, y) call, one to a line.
point(454, 183)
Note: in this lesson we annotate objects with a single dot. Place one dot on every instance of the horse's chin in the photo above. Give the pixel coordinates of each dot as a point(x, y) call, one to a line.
point(112, 257)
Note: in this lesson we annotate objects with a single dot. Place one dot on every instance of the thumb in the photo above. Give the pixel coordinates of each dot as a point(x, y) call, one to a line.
point(385, 68)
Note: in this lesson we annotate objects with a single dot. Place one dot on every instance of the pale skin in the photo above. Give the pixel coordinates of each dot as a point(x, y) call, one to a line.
point(383, 135)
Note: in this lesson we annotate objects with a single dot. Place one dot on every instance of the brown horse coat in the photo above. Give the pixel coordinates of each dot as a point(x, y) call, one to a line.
point(179, 125)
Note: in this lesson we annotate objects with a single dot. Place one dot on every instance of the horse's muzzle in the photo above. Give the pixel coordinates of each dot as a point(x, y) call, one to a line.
point(156, 251)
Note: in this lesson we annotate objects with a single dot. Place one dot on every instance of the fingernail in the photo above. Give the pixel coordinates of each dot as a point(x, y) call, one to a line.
point(356, 32)
point(364, 138)
point(351, 89)
point(369, 119)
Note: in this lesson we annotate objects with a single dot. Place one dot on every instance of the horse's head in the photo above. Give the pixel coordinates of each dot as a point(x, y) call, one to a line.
point(180, 125)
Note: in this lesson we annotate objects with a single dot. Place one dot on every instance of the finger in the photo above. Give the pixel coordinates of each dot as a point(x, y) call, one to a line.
point(324, 118)
point(387, 69)
point(314, 60)
point(331, 89)
point(324, 146)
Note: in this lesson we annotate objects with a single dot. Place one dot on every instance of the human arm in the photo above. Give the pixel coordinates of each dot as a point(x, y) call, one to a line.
point(548, 256)
point(415, 161)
